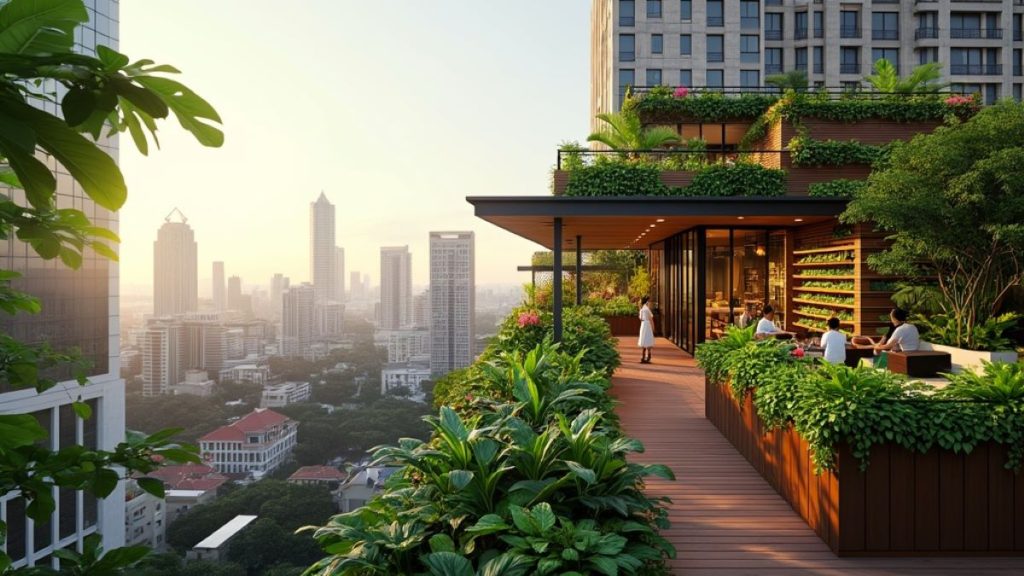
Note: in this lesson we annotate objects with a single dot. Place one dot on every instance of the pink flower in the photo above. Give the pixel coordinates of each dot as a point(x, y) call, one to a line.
point(680, 92)
point(528, 319)
point(959, 100)
point(798, 352)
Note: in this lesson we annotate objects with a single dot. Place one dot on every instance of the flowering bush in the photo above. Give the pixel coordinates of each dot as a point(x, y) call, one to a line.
point(529, 318)
point(958, 100)
point(680, 92)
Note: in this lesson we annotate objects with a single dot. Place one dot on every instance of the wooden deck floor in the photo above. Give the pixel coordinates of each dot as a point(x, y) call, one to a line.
point(726, 519)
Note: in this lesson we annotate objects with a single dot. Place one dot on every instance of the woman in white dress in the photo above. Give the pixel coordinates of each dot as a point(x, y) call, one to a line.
point(646, 342)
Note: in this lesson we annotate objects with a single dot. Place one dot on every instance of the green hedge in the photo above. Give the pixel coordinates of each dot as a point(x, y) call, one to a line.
point(529, 475)
point(626, 179)
point(897, 108)
point(831, 405)
point(661, 106)
point(840, 188)
point(809, 152)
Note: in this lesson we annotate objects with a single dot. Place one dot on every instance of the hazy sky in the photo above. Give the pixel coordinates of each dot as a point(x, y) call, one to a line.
point(398, 110)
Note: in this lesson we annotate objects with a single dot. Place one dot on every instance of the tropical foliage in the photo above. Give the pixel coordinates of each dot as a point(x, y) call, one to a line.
point(529, 476)
point(623, 131)
point(103, 95)
point(924, 78)
point(959, 218)
point(834, 405)
point(793, 80)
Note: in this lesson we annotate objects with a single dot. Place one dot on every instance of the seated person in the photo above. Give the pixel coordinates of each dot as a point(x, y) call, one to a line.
point(834, 343)
point(904, 337)
point(744, 319)
point(766, 325)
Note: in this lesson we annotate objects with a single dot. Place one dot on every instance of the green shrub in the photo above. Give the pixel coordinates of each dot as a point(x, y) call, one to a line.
point(538, 483)
point(582, 329)
point(991, 334)
point(616, 178)
point(840, 188)
point(808, 152)
point(663, 107)
point(741, 179)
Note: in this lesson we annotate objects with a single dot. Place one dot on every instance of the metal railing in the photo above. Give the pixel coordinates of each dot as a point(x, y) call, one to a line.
point(773, 34)
point(800, 66)
point(849, 32)
point(925, 32)
point(716, 21)
point(773, 68)
point(1018, 70)
point(819, 68)
point(976, 69)
point(877, 34)
point(819, 32)
point(716, 56)
point(773, 2)
point(833, 92)
point(627, 56)
point(800, 34)
point(845, 68)
point(976, 33)
point(672, 158)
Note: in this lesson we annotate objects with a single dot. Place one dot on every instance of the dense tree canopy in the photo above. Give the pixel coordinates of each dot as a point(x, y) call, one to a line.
point(952, 203)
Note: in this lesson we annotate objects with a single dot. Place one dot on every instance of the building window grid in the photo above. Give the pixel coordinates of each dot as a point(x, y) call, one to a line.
point(819, 60)
point(657, 44)
point(773, 26)
point(750, 15)
point(750, 48)
point(686, 10)
point(819, 24)
point(715, 48)
point(800, 26)
point(801, 59)
point(653, 9)
point(849, 24)
point(685, 45)
point(715, 13)
point(627, 13)
point(627, 48)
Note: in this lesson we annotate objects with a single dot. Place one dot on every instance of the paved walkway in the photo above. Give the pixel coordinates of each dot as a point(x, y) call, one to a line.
point(726, 519)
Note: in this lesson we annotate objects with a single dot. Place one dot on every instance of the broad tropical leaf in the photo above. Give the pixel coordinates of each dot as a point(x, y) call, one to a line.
point(35, 27)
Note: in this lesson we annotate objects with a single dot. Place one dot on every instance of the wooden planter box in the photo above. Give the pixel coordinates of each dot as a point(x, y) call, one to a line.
point(905, 504)
point(624, 325)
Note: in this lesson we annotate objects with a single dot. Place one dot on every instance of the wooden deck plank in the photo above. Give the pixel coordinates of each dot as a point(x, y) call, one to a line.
point(726, 520)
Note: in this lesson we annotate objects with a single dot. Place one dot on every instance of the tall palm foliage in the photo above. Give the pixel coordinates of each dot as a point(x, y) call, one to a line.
point(792, 80)
point(624, 132)
point(924, 78)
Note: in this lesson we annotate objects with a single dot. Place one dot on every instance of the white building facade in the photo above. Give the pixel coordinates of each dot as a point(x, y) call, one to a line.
point(322, 249)
point(285, 393)
point(452, 300)
point(253, 446)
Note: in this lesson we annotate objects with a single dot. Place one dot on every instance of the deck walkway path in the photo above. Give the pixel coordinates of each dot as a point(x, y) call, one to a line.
point(726, 519)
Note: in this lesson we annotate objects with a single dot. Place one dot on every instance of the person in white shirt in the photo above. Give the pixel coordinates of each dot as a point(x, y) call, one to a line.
point(904, 338)
point(766, 325)
point(834, 343)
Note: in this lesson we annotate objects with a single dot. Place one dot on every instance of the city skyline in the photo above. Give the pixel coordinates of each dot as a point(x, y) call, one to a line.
point(387, 192)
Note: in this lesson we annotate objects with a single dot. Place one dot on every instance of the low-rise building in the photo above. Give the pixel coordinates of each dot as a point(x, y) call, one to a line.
point(246, 374)
point(318, 475)
point(362, 485)
point(196, 383)
point(253, 446)
point(214, 547)
point(407, 375)
point(278, 395)
point(187, 485)
point(144, 522)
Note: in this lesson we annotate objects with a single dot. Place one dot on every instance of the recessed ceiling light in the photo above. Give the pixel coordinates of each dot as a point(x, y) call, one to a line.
point(798, 220)
point(660, 220)
point(739, 217)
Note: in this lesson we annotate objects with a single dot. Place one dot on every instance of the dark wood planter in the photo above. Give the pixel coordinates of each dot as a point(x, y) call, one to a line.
point(624, 325)
point(904, 504)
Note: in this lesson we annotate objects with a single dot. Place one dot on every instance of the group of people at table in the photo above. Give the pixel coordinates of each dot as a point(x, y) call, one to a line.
point(902, 336)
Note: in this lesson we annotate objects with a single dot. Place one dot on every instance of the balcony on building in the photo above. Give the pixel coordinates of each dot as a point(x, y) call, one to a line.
point(849, 68)
point(773, 68)
point(773, 35)
point(976, 69)
point(800, 34)
point(882, 34)
point(716, 21)
point(926, 33)
point(849, 32)
point(976, 33)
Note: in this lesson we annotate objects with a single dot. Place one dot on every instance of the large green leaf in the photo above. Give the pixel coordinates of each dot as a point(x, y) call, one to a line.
point(40, 26)
point(448, 564)
point(188, 107)
point(90, 166)
point(18, 430)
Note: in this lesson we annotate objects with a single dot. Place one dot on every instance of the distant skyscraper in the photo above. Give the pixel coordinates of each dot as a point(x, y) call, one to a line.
point(339, 274)
point(421, 309)
point(355, 286)
point(220, 302)
point(452, 300)
point(395, 287)
point(278, 284)
point(235, 294)
point(322, 255)
point(175, 268)
point(297, 320)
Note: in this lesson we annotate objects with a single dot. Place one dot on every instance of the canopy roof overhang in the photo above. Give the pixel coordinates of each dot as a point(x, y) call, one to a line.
point(614, 223)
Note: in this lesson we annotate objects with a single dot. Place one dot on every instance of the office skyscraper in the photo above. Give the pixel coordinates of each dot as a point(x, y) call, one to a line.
point(322, 254)
point(220, 302)
point(298, 320)
point(175, 268)
point(395, 287)
point(278, 284)
point(79, 310)
point(739, 44)
point(452, 300)
point(235, 294)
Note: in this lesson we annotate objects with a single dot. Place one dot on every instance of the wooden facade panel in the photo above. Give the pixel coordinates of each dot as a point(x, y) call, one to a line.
point(877, 499)
point(852, 487)
point(976, 499)
point(901, 499)
point(926, 501)
point(951, 496)
point(1000, 501)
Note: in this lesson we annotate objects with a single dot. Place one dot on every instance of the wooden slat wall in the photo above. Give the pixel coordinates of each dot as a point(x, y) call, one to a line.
point(904, 504)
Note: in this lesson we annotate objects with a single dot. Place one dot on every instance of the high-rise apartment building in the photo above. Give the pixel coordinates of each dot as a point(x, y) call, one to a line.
point(235, 294)
point(278, 284)
point(395, 287)
point(175, 268)
point(737, 44)
point(452, 300)
point(298, 320)
point(220, 301)
point(421, 310)
point(79, 310)
point(322, 249)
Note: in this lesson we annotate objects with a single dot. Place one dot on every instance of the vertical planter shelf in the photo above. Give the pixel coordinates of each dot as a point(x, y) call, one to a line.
point(904, 504)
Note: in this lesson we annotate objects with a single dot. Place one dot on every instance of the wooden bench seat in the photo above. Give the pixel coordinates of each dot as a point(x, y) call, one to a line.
point(920, 364)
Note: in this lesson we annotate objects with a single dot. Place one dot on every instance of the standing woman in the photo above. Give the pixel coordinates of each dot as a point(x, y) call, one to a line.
point(646, 342)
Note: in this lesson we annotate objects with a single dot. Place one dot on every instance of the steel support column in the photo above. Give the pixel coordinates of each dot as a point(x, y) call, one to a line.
point(579, 270)
point(556, 281)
